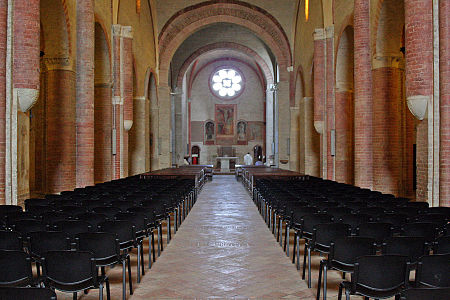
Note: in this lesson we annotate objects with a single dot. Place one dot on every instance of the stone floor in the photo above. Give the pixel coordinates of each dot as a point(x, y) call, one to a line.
point(223, 250)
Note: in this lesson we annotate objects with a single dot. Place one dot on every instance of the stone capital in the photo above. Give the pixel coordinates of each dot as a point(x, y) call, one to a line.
point(127, 32)
point(318, 125)
point(116, 30)
point(117, 100)
point(127, 124)
point(389, 60)
point(319, 34)
point(329, 32)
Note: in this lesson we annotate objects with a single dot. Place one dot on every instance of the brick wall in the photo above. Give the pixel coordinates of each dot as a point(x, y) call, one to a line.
point(444, 85)
point(102, 126)
point(344, 137)
point(3, 19)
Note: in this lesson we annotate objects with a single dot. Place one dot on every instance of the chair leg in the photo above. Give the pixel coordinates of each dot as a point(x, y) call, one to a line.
point(142, 257)
point(295, 245)
point(286, 241)
point(75, 296)
point(138, 263)
point(325, 271)
point(347, 295)
point(309, 267)
point(162, 241)
point(153, 246)
point(129, 274)
point(159, 239)
point(298, 252)
point(150, 239)
point(343, 275)
point(108, 289)
point(319, 280)
point(280, 231)
point(100, 291)
point(168, 230)
point(124, 280)
point(340, 292)
point(304, 261)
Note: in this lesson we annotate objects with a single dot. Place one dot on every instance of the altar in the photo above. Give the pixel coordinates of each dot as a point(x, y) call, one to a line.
point(225, 163)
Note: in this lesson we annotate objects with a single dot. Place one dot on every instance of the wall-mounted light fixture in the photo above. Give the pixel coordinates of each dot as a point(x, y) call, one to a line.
point(306, 10)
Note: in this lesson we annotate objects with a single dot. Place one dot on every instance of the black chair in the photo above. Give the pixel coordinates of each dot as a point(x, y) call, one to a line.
point(72, 210)
point(29, 293)
point(426, 294)
point(442, 245)
point(140, 223)
point(427, 230)
point(108, 211)
point(323, 235)
point(92, 218)
point(342, 256)
point(377, 277)
point(126, 233)
point(106, 250)
point(397, 220)
point(16, 266)
point(43, 241)
point(412, 247)
point(50, 218)
point(438, 219)
point(354, 220)
point(433, 271)
point(375, 230)
point(73, 272)
point(73, 227)
point(10, 240)
point(24, 227)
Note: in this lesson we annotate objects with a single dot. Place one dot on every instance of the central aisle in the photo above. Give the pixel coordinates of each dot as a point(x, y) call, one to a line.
point(223, 249)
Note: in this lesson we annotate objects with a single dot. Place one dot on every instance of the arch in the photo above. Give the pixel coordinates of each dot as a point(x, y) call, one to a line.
point(102, 106)
point(193, 18)
point(56, 34)
point(225, 45)
point(299, 86)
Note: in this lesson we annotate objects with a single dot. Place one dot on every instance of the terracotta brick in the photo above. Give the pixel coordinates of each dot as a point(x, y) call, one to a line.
point(363, 96)
point(344, 137)
point(3, 18)
point(444, 85)
point(103, 126)
point(60, 131)
point(387, 130)
point(419, 76)
point(85, 93)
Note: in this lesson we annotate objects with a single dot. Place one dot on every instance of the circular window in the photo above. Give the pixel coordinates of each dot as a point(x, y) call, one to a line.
point(227, 83)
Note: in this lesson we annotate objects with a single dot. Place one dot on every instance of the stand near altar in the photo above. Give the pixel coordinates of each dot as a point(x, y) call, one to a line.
point(225, 163)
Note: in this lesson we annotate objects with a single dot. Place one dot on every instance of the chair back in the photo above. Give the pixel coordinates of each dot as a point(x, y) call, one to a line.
point(44, 241)
point(16, 267)
point(427, 293)
point(433, 271)
point(70, 270)
point(345, 250)
point(427, 230)
point(27, 293)
point(412, 247)
point(103, 245)
point(380, 272)
point(73, 227)
point(442, 245)
point(375, 230)
point(10, 240)
point(324, 234)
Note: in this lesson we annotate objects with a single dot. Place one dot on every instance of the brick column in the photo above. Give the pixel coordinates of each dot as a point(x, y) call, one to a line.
point(444, 86)
point(344, 134)
point(330, 112)
point(363, 96)
point(127, 89)
point(117, 101)
point(3, 22)
point(419, 81)
point(320, 93)
point(85, 93)
point(387, 126)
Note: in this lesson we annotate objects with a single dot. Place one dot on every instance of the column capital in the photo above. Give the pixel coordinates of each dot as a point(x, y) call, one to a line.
point(319, 34)
point(116, 30)
point(329, 32)
point(127, 32)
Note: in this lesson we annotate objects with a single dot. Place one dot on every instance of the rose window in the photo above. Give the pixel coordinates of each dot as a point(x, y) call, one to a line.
point(227, 83)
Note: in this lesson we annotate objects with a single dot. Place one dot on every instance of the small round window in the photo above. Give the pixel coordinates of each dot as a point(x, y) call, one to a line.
point(227, 83)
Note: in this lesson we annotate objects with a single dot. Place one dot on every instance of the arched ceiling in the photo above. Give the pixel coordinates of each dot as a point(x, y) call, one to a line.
point(222, 41)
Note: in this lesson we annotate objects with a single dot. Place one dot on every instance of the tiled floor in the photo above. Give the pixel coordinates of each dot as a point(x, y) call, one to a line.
point(223, 250)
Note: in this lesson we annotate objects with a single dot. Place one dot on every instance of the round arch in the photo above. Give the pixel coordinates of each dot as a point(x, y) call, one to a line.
point(191, 19)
